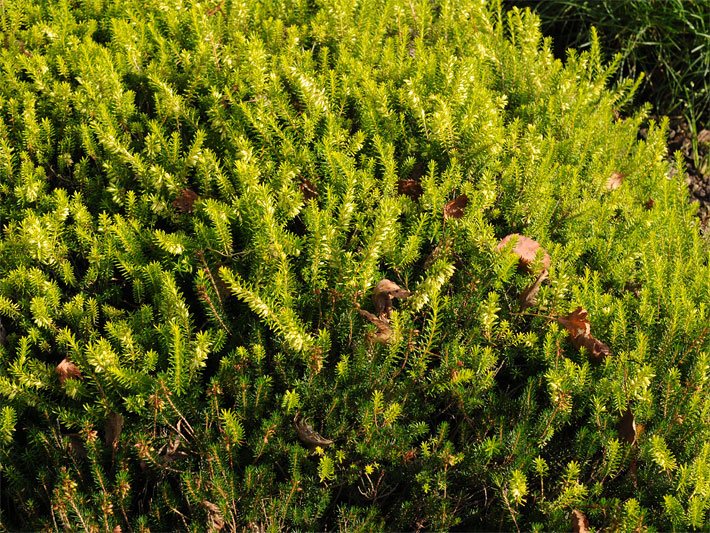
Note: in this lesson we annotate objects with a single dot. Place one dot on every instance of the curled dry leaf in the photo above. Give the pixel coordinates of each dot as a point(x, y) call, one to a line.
point(580, 524)
point(576, 323)
point(579, 328)
point(455, 208)
point(215, 520)
point(627, 427)
point(308, 189)
point(307, 435)
point(411, 188)
point(704, 137)
point(385, 292)
point(528, 298)
point(66, 369)
point(614, 181)
point(185, 201)
point(384, 332)
point(76, 446)
point(114, 425)
point(526, 249)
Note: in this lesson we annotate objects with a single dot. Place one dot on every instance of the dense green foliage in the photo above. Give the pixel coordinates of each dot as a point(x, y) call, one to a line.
point(667, 40)
point(198, 199)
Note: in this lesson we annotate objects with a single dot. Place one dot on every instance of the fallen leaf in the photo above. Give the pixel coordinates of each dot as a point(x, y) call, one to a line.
point(596, 348)
point(627, 427)
point(579, 328)
point(576, 323)
point(66, 369)
point(307, 434)
point(185, 200)
point(704, 137)
point(117, 529)
point(411, 188)
point(526, 249)
point(215, 520)
point(614, 181)
point(385, 292)
point(308, 189)
point(580, 524)
point(384, 332)
point(454, 209)
point(113, 427)
point(76, 446)
point(528, 298)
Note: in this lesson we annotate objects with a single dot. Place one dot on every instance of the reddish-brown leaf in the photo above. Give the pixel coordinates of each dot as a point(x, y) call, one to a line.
point(384, 293)
point(411, 188)
point(66, 369)
point(215, 520)
point(579, 328)
point(528, 298)
point(455, 208)
point(576, 323)
point(648, 205)
point(185, 201)
point(384, 332)
point(113, 427)
point(580, 524)
point(614, 181)
point(627, 427)
point(308, 189)
point(307, 434)
point(526, 249)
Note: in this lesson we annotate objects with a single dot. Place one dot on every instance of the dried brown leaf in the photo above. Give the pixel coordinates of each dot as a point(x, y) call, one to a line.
point(66, 369)
point(215, 520)
point(76, 446)
point(704, 137)
point(579, 328)
point(528, 298)
point(526, 249)
point(117, 529)
point(648, 204)
point(627, 427)
point(411, 188)
point(384, 293)
point(185, 201)
point(307, 434)
point(384, 332)
point(576, 323)
point(308, 189)
point(580, 524)
point(113, 427)
point(455, 208)
point(614, 181)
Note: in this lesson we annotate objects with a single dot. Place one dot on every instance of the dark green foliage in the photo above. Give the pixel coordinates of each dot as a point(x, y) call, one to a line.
point(197, 202)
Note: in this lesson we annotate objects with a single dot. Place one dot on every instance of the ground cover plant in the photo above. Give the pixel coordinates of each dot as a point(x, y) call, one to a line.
point(339, 265)
point(668, 41)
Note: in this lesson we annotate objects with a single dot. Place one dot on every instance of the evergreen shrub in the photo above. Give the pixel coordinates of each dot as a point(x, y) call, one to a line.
point(250, 275)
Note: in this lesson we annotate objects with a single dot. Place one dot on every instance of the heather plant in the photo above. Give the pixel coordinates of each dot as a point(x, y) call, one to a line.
point(368, 266)
point(665, 40)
